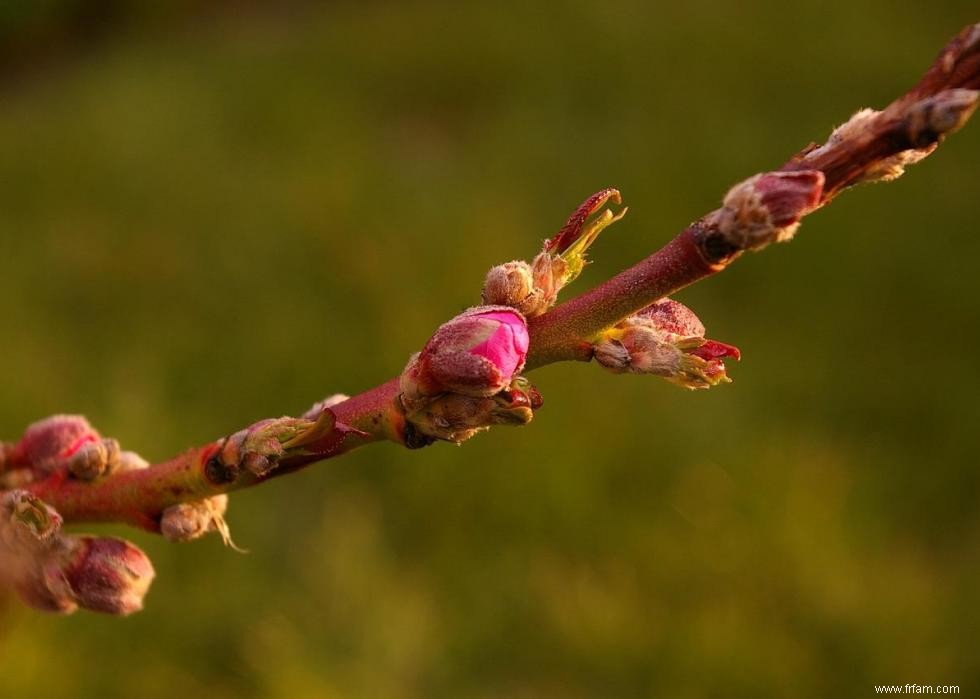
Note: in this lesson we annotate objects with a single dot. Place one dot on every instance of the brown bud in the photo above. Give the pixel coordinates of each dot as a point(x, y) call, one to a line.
point(454, 417)
point(942, 113)
point(512, 284)
point(767, 208)
point(192, 520)
point(94, 459)
point(612, 355)
point(27, 523)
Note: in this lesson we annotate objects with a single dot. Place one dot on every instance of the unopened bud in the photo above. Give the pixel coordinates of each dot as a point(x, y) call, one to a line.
point(259, 448)
point(512, 284)
point(192, 520)
point(767, 208)
point(102, 574)
point(665, 339)
point(48, 443)
point(94, 459)
point(477, 353)
point(27, 523)
point(105, 574)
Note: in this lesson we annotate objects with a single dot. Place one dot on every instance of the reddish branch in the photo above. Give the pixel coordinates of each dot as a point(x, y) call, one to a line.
point(872, 146)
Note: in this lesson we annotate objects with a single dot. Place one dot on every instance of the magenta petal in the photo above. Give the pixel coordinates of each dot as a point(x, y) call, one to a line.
point(507, 347)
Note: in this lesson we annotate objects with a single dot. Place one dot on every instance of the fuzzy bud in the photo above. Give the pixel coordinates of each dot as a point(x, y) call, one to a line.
point(192, 520)
point(665, 339)
point(258, 449)
point(477, 353)
point(103, 574)
point(48, 443)
point(454, 417)
point(94, 459)
point(767, 208)
point(512, 284)
point(27, 523)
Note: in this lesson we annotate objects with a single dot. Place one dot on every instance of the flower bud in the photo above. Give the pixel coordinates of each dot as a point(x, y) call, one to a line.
point(477, 353)
point(103, 574)
point(665, 339)
point(767, 208)
point(48, 443)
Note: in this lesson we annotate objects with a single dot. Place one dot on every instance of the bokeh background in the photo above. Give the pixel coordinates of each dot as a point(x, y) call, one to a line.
point(213, 213)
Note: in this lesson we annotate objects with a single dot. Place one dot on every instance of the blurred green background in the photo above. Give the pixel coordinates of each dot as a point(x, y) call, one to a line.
point(215, 213)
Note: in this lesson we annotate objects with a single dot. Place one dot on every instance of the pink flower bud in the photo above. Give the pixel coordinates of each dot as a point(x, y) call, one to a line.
point(48, 443)
point(477, 353)
point(104, 574)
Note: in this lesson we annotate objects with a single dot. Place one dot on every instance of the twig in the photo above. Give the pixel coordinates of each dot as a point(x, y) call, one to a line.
point(872, 146)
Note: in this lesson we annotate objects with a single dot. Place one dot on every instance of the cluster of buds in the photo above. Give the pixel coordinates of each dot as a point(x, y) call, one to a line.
point(665, 339)
point(467, 377)
point(63, 444)
point(533, 288)
point(58, 572)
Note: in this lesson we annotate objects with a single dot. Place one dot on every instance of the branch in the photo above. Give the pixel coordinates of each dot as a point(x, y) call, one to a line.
point(458, 385)
point(872, 146)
